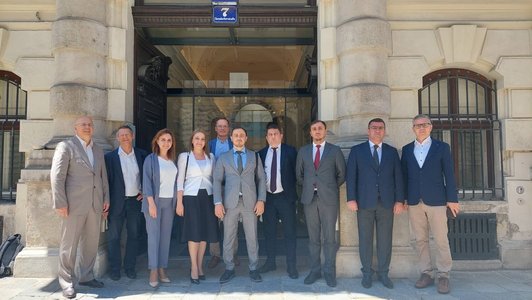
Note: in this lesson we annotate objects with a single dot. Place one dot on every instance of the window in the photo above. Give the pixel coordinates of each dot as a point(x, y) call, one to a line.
point(463, 107)
point(12, 109)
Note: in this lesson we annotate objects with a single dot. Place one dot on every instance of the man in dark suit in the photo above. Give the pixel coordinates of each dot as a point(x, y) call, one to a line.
point(430, 188)
point(80, 195)
point(124, 171)
point(218, 146)
point(375, 191)
point(320, 169)
point(279, 162)
point(242, 196)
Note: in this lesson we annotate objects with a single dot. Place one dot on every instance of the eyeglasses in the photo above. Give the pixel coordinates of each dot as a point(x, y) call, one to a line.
point(376, 127)
point(422, 125)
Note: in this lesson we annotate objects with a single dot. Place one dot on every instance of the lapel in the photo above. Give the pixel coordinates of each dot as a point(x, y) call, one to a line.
point(230, 159)
point(84, 154)
point(249, 158)
point(324, 155)
point(118, 165)
point(433, 149)
point(282, 157)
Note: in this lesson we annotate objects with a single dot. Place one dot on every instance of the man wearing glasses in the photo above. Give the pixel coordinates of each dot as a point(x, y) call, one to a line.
point(375, 192)
point(430, 188)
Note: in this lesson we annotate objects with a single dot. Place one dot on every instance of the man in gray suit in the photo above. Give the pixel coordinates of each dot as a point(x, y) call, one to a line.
point(80, 196)
point(320, 169)
point(243, 196)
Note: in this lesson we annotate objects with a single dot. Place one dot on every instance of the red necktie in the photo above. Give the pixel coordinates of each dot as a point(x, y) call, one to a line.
point(317, 157)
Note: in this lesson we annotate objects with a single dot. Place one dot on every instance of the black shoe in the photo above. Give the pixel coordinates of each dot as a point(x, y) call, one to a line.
point(131, 274)
point(194, 281)
point(227, 276)
point(267, 267)
point(202, 277)
point(330, 279)
point(312, 277)
point(292, 272)
point(255, 276)
point(93, 284)
point(366, 281)
point(385, 281)
point(69, 293)
point(115, 276)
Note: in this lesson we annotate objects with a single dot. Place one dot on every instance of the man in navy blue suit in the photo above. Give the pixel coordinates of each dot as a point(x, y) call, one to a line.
point(279, 161)
point(375, 191)
point(124, 172)
point(430, 187)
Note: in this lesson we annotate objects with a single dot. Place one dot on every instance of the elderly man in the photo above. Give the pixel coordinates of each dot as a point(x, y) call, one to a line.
point(430, 189)
point(124, 171)
point(80, 197)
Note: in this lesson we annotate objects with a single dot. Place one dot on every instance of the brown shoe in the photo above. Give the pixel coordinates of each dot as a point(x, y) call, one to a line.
point(424, 281)
point(443, 285)
point(215, 260)
point(236, 261)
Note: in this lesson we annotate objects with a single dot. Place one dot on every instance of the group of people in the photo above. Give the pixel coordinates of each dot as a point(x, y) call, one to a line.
point(224, 181)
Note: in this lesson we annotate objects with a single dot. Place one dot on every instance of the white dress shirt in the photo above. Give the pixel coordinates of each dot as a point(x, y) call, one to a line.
point(268, 169)
point(88, 149)
point(197, 177)
point(379, 150)
point(130, 172)
point(314, 149)
point(421, 150)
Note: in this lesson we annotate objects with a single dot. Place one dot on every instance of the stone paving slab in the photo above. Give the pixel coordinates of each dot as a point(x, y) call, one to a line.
point(485, 285)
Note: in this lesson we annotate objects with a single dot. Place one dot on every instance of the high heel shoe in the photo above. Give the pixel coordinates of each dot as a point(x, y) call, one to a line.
point(165, 280)
point(194, 281)
point(202, 277)
point(154, 284)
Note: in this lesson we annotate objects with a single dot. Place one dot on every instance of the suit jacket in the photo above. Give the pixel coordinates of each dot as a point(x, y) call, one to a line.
point(252, 179)
point(75, 183)
point(212, 145)
point(288, 169)
point(434, 182)
point(365, 179)
point(151, 182)
point(117, 188)
point(327, 179)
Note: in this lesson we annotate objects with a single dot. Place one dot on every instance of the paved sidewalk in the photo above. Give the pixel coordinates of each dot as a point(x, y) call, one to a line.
point(498, 284)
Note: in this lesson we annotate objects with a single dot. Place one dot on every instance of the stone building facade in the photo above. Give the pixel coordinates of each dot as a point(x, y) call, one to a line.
point(75, 57)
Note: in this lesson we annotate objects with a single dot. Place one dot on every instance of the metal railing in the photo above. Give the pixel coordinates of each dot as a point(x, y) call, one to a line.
point(13, 103)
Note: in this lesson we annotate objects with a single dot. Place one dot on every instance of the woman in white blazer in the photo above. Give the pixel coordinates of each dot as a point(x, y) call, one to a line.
point(195, 203)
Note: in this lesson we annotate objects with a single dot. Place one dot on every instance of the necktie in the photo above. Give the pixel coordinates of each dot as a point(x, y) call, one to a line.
point(317, 157)
point(273, 176)
point(376, 154)
point(240, 164)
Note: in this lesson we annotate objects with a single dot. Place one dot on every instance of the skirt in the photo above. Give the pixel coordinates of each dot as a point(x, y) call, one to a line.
point(199, 222)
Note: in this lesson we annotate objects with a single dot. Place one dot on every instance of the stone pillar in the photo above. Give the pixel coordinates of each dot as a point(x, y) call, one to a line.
point(356, 74)
point(79, 87)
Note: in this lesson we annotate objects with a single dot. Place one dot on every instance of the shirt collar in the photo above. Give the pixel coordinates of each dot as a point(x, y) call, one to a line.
point(278, 148)
point(243, 150)
point(426, 142)
point(223, 142)
point(371, 144)
point(322, 144)
point(83, 142)
point(122, 152)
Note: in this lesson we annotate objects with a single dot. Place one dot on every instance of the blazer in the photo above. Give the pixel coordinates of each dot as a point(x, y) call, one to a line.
point(151, 182)
point(434, 183)
point(75, 183)
point(194, 175)
point(288, 169)
point(365, 179)
point(252, 179)
point(327, 179)
point(212, 145)
point(117, 187)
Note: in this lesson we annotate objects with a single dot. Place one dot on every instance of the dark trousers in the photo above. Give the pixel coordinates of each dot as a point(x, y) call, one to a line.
point(278, 207)
point(131, 214)
point(382, 219)
point(321, 225)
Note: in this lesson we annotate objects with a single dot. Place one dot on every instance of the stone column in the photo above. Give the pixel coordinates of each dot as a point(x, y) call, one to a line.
point(79, 87)
point(363, 44)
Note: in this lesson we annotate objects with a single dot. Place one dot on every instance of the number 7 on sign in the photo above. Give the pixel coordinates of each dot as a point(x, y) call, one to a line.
point(224, 11)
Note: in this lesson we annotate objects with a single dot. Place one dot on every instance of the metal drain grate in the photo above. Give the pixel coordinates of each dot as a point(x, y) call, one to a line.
point(473, 237)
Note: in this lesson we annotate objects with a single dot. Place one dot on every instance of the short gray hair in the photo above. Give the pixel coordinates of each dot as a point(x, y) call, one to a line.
point(421, 116)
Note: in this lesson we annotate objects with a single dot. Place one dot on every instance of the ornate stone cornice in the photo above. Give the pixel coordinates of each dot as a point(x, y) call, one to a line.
point(200, 16)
